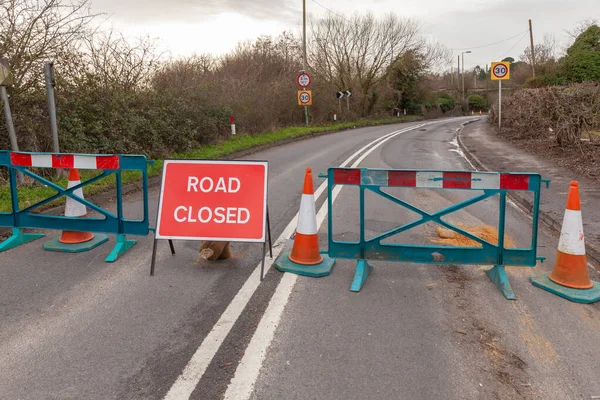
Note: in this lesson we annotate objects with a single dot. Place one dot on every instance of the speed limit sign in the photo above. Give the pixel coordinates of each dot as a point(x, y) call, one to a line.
point(500, 71)
point(304, 97)
point(303, 80)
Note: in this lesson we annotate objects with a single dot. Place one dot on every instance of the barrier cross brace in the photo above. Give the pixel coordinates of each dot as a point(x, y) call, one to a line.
point(110, 223)
point(490, 183)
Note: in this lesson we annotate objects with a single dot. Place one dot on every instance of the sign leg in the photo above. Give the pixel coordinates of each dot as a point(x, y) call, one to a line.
point(153, 257)
point(269, 233)
point(262, 266)
point(172, 247)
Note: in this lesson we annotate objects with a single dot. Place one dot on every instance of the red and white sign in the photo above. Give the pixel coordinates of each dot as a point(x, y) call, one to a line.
point(213, 200)
point(303, 79)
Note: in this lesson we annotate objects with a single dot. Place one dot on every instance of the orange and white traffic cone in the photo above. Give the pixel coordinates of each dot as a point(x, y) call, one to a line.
point(569, 277)
point(75, 241)
point(305, 257)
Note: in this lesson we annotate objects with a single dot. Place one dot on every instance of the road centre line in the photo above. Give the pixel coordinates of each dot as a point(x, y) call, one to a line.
point(196, 367)
point(247, 372)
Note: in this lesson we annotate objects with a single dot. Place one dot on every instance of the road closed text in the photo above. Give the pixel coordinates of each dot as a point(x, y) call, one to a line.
point(205, 214)
point(213, 200)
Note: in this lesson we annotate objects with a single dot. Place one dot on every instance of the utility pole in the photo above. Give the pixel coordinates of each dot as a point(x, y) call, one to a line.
point(304, 51)
point(532, 49)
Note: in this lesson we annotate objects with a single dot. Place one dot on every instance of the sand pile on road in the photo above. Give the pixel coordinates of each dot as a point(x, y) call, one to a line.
point(485, 232)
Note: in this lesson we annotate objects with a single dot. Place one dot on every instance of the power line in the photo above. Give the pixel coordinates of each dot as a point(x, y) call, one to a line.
point(512, 48)
point(491, 44)
point(332, 12)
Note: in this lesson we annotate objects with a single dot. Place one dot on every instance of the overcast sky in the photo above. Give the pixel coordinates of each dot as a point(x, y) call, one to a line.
point(185, 27)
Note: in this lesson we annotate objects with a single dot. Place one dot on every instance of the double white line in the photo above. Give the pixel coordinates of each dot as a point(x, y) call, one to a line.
point(247, 372)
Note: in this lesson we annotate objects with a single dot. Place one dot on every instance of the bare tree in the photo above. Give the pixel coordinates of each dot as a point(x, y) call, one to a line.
point(581, 27)
point(357, 52)
point(32, 31)
point(119, 62)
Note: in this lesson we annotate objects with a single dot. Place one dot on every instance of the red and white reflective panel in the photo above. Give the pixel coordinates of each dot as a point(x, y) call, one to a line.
point(39, 160)
point(434, 179)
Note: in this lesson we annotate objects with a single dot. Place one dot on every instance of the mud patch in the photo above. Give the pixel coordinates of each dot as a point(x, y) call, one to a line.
point(485, 232)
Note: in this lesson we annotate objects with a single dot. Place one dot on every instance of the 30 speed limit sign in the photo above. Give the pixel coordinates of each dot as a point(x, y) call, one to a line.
point(304, 97)
point(500, 71)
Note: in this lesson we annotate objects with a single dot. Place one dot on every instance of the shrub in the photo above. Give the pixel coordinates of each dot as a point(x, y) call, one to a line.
point(477, 103)
point(446, 102)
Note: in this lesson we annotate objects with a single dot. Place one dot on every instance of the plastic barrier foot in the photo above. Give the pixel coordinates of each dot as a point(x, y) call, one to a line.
point(123, 244)
point(363, 268)
point(284, 264)
point(18, 238)
point(498, 275)
point(584, 296)
point(55, 245)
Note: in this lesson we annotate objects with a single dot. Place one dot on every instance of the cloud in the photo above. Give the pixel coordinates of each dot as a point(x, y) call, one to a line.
point(190, 11)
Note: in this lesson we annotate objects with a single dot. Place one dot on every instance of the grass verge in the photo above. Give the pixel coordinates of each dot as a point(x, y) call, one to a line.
point(35, 192)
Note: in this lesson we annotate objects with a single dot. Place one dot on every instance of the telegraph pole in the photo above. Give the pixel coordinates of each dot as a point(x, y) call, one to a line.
point(532, 49)
point(304, 51)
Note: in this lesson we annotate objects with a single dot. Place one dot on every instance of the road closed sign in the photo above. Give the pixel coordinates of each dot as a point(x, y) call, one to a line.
point(213, 200)
point(500, 71)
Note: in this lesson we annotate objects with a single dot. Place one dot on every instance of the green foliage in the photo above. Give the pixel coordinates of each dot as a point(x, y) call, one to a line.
point(582, 62)
point(477, 103)
point(446, 102)
point(543, 81)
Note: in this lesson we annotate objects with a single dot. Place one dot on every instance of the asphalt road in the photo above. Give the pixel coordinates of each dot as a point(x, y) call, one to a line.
point(75, 327)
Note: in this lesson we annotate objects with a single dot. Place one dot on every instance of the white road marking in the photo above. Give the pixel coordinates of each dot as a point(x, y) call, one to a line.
point(246, 374)
point(192, 373)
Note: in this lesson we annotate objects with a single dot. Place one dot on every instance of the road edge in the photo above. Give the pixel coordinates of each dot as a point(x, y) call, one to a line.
point(550, 223)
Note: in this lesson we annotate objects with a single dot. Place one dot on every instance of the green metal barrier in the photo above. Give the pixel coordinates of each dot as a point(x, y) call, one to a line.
point(109, 223)
point(490, 184)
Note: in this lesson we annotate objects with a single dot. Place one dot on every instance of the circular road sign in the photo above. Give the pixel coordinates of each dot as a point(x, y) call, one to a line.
point(303, 79)
point(304, 97)
point(500, 71)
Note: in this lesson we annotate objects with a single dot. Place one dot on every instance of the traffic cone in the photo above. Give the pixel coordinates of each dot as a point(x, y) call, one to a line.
point(75, 241)
point(305, 257)
point(569, 277)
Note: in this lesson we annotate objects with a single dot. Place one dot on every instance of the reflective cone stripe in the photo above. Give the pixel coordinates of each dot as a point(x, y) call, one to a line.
point(570, 268)
point(306, 242)
point(74, 208)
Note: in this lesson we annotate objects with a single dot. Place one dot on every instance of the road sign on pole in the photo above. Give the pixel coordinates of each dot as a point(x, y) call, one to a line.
point(501, 71)
point(303, 80)
point(304, 97)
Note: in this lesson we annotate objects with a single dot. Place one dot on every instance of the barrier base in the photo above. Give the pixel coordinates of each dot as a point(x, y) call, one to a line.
point(498, 275)
point(363, 268)
point(324, 268)
point(55, 245)
point(18, 238)
point(123, 244)
point(584, 296)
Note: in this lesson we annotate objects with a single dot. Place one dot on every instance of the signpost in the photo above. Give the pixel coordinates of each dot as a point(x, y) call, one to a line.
point(213, 200)
point(500, 72)
point(303, 81)
point(348, 94)
point(305, 97)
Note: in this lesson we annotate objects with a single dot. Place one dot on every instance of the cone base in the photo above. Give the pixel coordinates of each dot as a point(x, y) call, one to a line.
point(56, 245)
point(583, 296)
point(284, 264)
